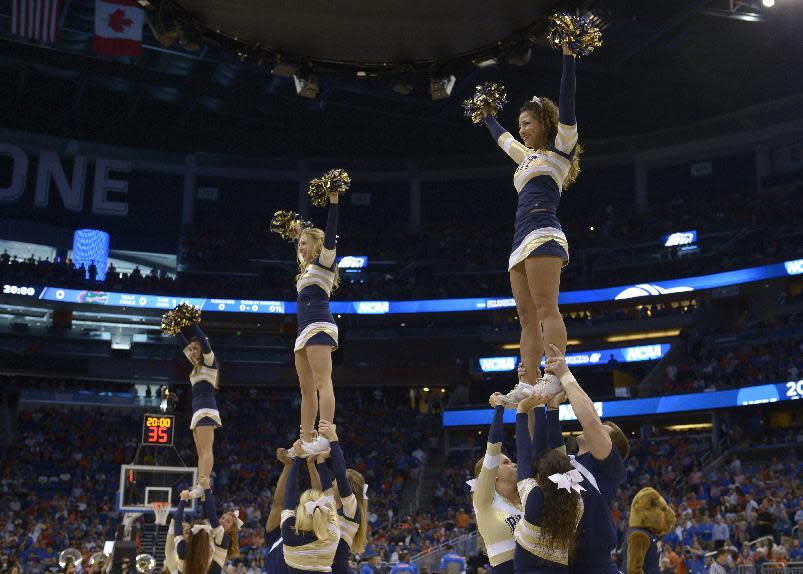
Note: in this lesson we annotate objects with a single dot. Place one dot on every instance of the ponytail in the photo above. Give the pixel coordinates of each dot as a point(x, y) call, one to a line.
point(316, 522)
point(357, 482)
point(199, 553)
point(562, 508)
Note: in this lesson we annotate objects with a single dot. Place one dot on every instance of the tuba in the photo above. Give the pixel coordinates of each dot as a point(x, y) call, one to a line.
point(145, 563)
point(100, 559)
point(70, 556)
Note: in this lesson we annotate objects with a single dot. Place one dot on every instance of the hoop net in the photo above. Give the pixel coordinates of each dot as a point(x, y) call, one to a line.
point(160, 510)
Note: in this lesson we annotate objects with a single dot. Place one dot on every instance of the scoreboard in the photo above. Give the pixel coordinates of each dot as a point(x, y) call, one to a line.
point(157, 429)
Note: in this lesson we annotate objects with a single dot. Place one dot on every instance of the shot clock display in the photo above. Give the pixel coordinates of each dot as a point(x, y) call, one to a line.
point(157, 429)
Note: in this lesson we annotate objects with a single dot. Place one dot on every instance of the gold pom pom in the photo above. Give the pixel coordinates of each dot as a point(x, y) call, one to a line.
point(184, 315)
point(574, 31)
point(285, 222)
point(333, 181)
point(490, 95)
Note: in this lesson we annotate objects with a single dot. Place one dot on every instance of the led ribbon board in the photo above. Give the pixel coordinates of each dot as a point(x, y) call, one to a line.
point(746, 396)
point(620, 292)
point(586, 358)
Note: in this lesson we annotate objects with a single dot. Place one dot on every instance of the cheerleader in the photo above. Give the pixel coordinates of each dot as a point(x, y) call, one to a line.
point(350, 495)
point(225, 529)
point(549, 490)
point(309, 525)
point(274, 560)
point(602, 448)
point(209, 542)
point(496, 501)
point(548, 162)
point(317, 332)
point(205, 414)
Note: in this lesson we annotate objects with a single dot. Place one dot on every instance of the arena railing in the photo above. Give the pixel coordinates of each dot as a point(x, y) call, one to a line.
point(430, 561)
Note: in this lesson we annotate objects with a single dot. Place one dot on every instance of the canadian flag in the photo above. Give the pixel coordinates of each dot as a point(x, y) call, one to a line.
point(118, 28)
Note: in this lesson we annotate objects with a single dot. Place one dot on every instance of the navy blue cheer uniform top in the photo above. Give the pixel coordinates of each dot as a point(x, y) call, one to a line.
point(274, 562)
point(533, 555)
point(539, 179)
point(348, 515)
point(204, 380)
point(303, 551)
point(316, 325)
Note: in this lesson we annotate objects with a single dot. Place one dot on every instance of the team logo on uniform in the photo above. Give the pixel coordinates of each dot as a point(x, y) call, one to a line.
point(512, 521)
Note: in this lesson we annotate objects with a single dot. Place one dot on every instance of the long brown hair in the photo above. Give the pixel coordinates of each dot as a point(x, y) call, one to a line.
point(546, 111)
point(561, 508)
point(234, 539)
point(315, 237)
point(199, 553)
point(357, 482)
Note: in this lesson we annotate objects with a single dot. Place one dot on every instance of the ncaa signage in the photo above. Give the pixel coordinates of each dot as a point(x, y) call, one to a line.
point(680, 238)
point(353, 262)
point(794, 267)
point(644, 353)
point(373, 307)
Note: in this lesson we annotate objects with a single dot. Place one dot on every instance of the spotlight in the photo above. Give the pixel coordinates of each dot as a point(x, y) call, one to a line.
point(306, 84)
point(768, 3)
point(485, 62)
point(283, 68)
point(441, 88)
point(520, 56)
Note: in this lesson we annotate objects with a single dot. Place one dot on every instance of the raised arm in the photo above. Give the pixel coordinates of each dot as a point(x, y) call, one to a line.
point(486, 481)
point(511, 146)
point(314, 476)
point(524, 448)
point(291, 487)
point(554, 435)
point(274, 517)
point(211, 508)
point(326, 478)
point(206, 349)
point(599, 441)
point(566, 140)
point(178, 529)
point(327, 257)
point(540, 436)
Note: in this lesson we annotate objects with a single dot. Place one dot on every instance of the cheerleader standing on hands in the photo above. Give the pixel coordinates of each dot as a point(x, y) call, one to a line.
point(317, 330)
point(204, 383)
point(548, 162)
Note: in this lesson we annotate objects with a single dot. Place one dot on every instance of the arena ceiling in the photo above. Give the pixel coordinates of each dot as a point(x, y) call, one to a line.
point(214, 87)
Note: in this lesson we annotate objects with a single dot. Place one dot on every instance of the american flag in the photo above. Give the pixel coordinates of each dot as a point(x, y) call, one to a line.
point(35, 19)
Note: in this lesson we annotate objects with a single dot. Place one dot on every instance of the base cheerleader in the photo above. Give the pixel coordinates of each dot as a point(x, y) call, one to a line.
point(317, 330)
point(549, 490)
point(209, 543)
point(548, 162)
point(309, 524)
point(496, 501)
point(274, 557)
point(350, 493)
point(602, 448)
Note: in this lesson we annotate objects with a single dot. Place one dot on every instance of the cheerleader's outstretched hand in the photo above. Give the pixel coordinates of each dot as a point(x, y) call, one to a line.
point(323, 456)
point(327, 430)
point(496, 400)
point(283, 457)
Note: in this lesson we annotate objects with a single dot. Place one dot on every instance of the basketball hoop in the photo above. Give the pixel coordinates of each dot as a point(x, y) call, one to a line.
point(160, 510)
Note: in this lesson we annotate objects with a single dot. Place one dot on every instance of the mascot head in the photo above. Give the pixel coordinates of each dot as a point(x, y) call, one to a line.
point(650, 511)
